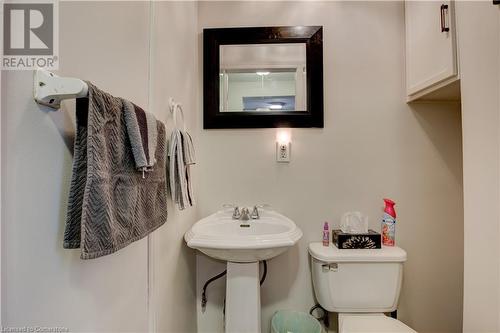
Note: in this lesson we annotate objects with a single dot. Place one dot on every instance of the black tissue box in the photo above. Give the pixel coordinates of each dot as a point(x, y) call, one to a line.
point(370, 240)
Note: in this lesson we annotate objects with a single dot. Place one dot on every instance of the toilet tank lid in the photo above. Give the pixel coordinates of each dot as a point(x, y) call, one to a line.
point(332, 254)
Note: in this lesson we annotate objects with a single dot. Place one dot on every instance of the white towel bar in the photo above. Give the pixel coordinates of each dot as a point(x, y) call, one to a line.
point(50, 89)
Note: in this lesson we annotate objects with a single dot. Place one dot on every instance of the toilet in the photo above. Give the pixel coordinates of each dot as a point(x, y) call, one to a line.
point(361, 285)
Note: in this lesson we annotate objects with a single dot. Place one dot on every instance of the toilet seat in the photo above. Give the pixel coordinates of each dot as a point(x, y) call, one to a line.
point(371, 323)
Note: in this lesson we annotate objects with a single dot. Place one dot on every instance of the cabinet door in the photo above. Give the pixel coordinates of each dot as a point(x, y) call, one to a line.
point(431, 56)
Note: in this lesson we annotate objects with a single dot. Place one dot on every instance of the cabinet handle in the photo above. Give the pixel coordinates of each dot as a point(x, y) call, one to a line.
point(444, 11)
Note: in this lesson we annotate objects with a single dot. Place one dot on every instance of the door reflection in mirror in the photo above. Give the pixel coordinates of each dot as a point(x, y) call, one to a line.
point(263, 77)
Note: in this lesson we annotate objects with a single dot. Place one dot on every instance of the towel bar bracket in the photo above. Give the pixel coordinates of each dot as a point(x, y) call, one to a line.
point(50, 89)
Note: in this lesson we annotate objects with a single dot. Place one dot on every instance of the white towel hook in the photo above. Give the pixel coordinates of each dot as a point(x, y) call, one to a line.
point(176, 108)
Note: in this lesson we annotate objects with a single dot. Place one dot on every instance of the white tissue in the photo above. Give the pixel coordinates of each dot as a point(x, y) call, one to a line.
point(354, 223)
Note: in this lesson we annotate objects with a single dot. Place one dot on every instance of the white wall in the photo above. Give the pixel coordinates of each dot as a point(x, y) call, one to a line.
point(479, 47)
point(373, 146)
point(43, 284)
point(175, 74)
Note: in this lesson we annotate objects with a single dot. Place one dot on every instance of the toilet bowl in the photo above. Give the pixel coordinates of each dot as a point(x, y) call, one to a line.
point(360, 285)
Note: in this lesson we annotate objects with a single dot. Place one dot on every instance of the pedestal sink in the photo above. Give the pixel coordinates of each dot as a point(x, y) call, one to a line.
point(243, 244)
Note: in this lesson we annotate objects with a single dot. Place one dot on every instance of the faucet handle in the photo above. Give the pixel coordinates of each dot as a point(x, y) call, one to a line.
point(236, 213)
point(235, 209)
point(255, 213)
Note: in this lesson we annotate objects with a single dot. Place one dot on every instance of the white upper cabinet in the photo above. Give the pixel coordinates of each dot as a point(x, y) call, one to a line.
point(431, 50)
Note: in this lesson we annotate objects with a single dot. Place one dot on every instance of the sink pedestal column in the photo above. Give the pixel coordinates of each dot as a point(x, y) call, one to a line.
point(242, 298)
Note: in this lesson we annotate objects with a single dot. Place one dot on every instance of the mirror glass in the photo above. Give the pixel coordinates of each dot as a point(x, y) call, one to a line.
point(262, 77)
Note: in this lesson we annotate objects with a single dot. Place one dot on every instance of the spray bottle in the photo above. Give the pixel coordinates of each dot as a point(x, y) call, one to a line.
point(326, 234)
point(389, 224)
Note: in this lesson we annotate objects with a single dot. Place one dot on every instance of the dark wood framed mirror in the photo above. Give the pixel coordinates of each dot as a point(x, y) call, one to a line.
point(263, 77)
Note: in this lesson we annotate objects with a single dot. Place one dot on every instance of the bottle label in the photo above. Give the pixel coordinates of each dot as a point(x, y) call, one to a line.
point(326, 238)
point(388, 230)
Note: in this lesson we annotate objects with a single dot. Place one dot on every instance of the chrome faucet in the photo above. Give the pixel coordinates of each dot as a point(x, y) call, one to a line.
point(245, 214)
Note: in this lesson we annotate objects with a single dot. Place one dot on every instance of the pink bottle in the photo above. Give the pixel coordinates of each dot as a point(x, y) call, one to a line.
point(326, 234)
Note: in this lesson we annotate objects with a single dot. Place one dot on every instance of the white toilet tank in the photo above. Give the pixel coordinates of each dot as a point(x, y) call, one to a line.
point(357, 280)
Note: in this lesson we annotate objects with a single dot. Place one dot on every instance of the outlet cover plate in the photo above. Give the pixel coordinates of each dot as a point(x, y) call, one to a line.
point(283, 151)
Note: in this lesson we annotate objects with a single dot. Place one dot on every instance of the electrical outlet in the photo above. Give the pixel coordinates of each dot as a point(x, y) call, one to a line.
point(283, 152)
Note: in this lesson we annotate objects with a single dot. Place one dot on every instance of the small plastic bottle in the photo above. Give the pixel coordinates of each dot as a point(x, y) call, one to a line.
point(389, 224)
point(326, 234)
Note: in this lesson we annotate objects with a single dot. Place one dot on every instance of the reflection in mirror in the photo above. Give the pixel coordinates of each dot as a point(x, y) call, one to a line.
point(262, 77)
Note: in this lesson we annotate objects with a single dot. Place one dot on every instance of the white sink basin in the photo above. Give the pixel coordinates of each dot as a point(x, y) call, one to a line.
point(221, 237)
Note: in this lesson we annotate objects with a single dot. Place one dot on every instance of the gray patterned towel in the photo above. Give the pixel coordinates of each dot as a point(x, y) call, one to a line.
point(110, 205)
point(142, 132)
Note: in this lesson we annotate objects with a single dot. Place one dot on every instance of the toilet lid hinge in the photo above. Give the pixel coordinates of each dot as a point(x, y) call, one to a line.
point(332, 267)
